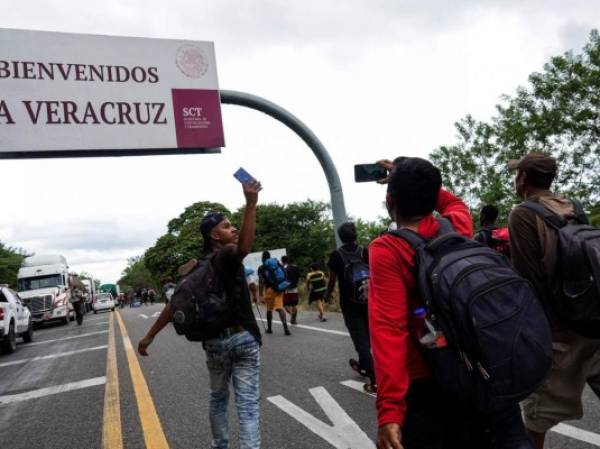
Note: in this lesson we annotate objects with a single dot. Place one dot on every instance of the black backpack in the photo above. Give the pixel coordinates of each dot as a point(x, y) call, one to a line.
point(499, 342)
point(356, 274)
point(576, 298)
point(200, 304)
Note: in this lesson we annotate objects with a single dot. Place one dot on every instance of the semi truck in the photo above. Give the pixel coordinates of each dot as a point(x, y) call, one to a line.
point(43, 283)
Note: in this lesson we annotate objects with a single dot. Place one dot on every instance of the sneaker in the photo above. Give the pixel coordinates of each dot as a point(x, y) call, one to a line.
point(287, 332)
point(370, 389)
point(323, 319)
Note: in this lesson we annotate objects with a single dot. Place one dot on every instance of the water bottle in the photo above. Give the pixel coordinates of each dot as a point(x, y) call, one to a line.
point(428, 335)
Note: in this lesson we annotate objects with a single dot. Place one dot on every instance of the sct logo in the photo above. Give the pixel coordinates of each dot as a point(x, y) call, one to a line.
point(192, 112)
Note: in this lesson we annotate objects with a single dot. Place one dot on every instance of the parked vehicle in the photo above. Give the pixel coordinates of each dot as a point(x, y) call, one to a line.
point(15, 320)
point(43, 285)
point(113, 289)
point(103, 301)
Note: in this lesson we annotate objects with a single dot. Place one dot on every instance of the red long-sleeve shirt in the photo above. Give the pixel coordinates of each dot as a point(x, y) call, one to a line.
point(392, 300)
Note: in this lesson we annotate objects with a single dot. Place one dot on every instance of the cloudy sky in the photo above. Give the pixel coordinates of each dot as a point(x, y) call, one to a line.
point(373, 79)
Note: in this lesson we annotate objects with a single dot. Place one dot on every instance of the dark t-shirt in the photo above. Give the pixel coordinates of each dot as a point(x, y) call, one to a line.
point(336, 266)
point(230, 270)
point(292, 274)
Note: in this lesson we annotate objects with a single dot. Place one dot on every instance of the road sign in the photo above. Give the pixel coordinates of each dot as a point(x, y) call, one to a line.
point(87, 95)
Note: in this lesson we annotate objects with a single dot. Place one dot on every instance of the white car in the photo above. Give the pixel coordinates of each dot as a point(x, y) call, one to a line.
point(103, 301)
point(15, 320)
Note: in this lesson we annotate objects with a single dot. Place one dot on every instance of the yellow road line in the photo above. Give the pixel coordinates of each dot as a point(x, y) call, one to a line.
point(112, 437)
point(151, 427)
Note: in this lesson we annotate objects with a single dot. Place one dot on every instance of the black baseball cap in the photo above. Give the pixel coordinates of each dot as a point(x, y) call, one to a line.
point(208, 223)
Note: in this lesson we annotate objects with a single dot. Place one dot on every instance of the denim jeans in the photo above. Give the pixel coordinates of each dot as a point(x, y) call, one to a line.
point(235, 359)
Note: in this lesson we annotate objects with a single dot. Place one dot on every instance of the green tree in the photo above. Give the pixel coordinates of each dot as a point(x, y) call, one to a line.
point(182, 241)
point(136, 275)
point(304, 228)
point(557, 113)
point(10, 262)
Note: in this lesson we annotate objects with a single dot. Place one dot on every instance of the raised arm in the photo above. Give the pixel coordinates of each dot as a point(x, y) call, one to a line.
point(248, 230)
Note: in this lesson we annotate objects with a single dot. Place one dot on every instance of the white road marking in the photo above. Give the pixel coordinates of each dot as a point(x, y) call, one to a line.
point(312, 328)
point(155, 314)
point(356, 385)
point(57, 389)
point(103, 322)
point(577, 434)
point(562, 429)
point(93, 319)
point(51, 356)
point(43, 342)
point(344, 434)
point(143, 316)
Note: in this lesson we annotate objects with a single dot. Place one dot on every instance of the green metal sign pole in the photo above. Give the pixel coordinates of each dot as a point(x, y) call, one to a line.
point(296, 125)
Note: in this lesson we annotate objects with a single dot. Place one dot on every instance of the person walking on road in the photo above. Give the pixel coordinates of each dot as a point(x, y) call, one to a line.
point(415, 409)
point(316, 284)
point(232, 355)
point(290, 297)
point(535, 255)
point(355, 314)
point(78, 299)
point(270, 292)
point(168, 289)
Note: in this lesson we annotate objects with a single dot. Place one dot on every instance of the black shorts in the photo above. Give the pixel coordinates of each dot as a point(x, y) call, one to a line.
point(315, 296)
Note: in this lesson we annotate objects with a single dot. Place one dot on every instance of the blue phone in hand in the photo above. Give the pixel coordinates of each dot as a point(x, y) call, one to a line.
point(243, 176)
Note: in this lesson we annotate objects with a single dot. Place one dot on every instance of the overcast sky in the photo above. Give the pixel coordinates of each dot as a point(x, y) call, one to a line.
point(373, 79)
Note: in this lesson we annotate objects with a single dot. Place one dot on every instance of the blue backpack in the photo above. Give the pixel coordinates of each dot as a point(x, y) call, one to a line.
point(499, 342)
point(274, 275)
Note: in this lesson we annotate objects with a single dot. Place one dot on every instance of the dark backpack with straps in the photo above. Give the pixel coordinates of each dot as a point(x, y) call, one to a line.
point(356, 274)
point(499, 343)
point(576, 296)
point(200, 303)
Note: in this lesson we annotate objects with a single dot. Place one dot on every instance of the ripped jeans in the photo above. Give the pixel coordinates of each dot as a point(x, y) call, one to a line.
point(235, 359)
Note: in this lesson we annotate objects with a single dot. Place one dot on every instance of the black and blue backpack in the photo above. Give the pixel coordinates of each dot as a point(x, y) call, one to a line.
point(499, 342)
point(356, 274)
point(274, 274)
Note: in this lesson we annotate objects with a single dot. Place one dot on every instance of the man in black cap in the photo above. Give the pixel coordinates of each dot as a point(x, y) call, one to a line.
point(534, 248)
point(232, 356)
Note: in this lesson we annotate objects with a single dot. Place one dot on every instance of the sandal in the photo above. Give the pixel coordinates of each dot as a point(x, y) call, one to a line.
point(370, 389)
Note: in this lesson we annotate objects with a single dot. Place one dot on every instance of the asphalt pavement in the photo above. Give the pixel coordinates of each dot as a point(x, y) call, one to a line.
point(84, 387)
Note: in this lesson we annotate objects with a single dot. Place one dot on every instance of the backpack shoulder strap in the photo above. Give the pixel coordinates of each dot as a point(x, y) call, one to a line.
point(580, 214)
point(414, 239)
point(446, 226)
point(554, 220)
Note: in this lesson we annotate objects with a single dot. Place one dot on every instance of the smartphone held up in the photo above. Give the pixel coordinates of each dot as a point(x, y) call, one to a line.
point(369, 172)
point(243, 176)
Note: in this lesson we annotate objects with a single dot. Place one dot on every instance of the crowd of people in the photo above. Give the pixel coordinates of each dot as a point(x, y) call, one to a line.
point(468, 340)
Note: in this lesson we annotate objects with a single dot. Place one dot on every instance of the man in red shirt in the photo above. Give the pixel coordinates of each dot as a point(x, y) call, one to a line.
point(413, 411)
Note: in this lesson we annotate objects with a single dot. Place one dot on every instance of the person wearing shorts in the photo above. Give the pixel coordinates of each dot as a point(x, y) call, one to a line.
point(271, 297)
point(316, 283)
point(535, 255)
point(290, 297)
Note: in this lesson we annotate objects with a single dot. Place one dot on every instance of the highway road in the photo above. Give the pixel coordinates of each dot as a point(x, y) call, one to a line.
point(84, 387)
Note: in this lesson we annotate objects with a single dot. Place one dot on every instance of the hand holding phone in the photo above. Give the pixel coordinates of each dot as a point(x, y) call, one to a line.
point(369, 172)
